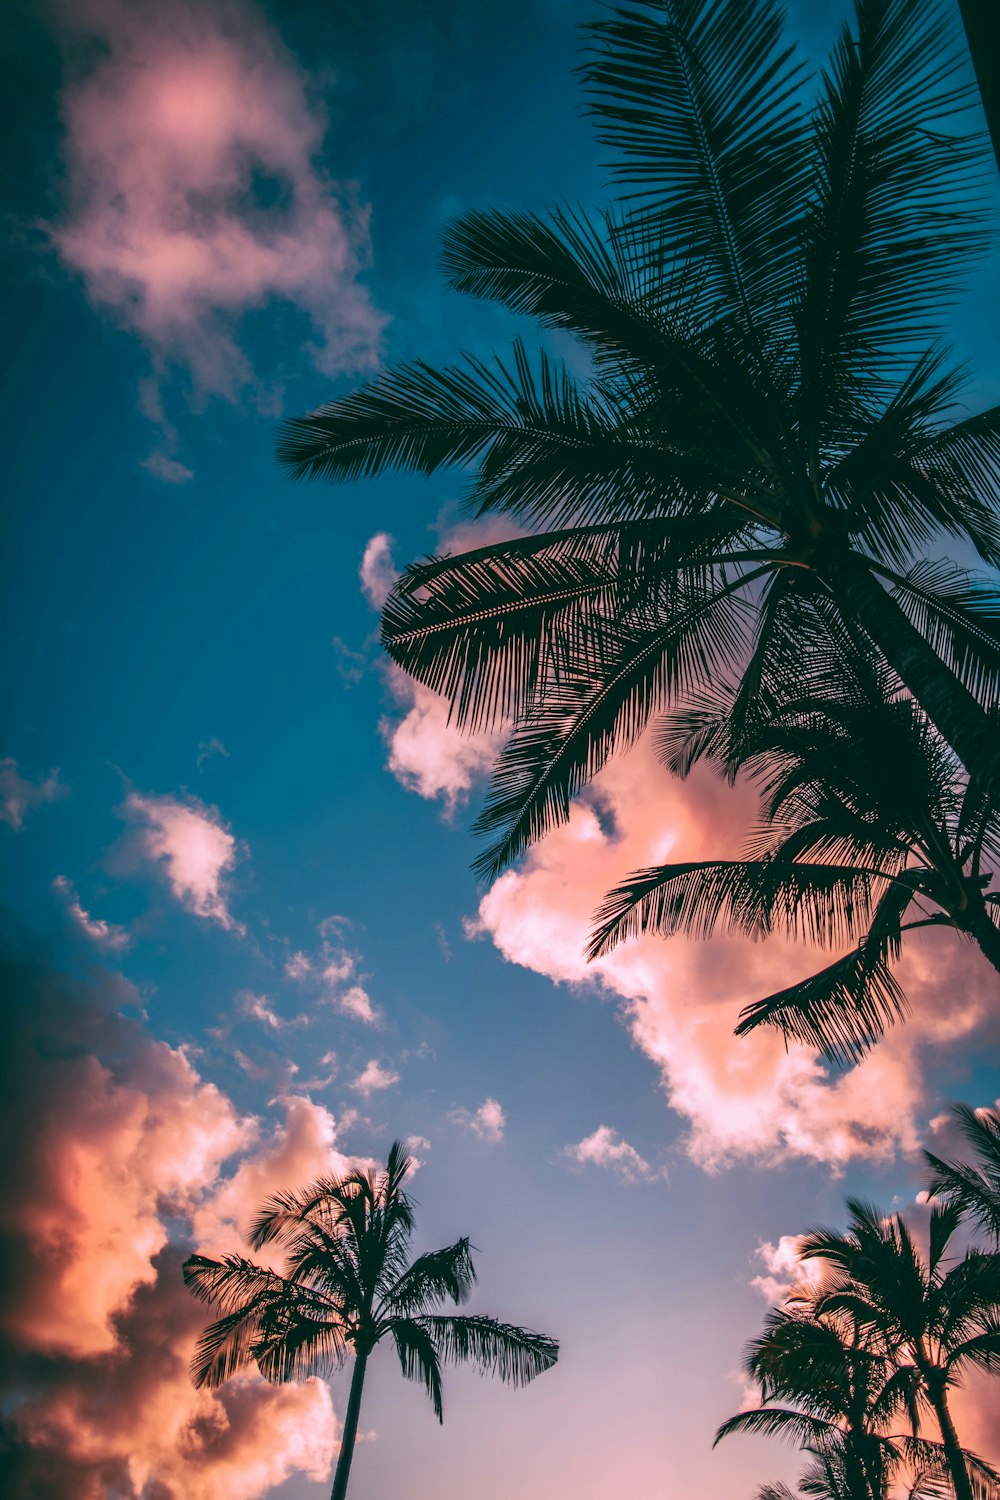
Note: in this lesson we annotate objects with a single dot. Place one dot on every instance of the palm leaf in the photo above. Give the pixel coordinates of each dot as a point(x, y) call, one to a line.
point(516, 1355)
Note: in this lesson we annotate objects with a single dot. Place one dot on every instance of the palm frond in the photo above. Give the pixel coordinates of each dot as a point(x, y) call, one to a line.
point(433, 1277)
point(515, 1355)
point(418, 1357)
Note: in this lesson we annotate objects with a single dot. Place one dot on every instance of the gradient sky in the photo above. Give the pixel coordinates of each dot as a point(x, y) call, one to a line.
point(241, 940)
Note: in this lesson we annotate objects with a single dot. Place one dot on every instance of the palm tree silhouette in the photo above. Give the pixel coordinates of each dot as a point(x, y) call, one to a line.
point(933, 1320)
point(973, 1187)
point(349, 1284)
point(826, 1386)
point(765, 418)
point(867, 831)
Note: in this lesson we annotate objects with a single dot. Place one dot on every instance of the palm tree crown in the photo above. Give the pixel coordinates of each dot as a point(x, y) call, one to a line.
point(934, 1317)
point(765, 420)
point(348, 1284)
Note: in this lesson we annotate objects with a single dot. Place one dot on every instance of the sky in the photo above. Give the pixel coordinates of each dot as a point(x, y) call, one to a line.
point(241, 942)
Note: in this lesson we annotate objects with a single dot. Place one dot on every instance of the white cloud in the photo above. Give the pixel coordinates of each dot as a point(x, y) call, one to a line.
point(195, 849)
point(606, 1148)
point(18, 795)
point(488, 1121)
point(107, 935)
point(784, 1269)
point(374, 1078)
point(378, 571)
point(427, 754)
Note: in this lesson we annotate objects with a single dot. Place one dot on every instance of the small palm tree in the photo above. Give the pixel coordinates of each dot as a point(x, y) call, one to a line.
point(867, 831)
point(765, 414)
point(933, 1320)
point(349, 1284)
point(973, 1187)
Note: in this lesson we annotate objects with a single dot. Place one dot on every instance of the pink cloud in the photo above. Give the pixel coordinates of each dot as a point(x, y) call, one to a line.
point(488, 1121)
point(784, 1270)
point(195, 849)
point(19, 795)
point(103, 934)
point(378, 571)
point(356, 1002)
point(112, 1141)
point(373, 1079)
point(187, 109)
point(427, 754)
point(747, 1097)
point(606, 1148)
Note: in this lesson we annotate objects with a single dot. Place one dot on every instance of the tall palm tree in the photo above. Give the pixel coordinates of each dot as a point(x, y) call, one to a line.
point(765, 418)
point(349, 1283)
point(973, 1187)
point(934, 1318)
point(867, 831)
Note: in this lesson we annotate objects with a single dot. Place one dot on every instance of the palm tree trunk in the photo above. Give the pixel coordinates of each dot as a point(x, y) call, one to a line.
point(350, 1432)
point(947, 702)
point(949, 1437)
point(984, 931)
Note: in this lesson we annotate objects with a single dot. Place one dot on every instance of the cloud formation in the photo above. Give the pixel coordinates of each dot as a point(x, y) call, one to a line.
point(197, 193)
point(742, 1098)
point(107, 935)
point(19, 795)
point(374, 1079)
point(606, 1148)
point(378, 571)
point(488, 1121)
point(427, 754)
point(113, 1143)
point(194, 848)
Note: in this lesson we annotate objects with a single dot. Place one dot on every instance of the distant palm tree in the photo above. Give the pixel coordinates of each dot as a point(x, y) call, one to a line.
point(828, 1386)
point(867, 830)
point(349, 1284)
point(933, 1318)
point(762, 416)
point(973, 1187)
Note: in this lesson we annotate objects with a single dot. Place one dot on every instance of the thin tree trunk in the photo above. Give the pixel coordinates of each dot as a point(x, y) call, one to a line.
point(350, 1432)
point(947, 702)
point(949, 1437)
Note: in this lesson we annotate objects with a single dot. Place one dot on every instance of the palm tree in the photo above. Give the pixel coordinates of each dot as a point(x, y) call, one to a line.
point(933, 1320)
point(973, 1187)
point(764, 420)
point(826, 1386)
point(867, 831)
point(349, 1284)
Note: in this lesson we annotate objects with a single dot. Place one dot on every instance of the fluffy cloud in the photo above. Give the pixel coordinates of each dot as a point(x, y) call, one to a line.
point(488, 1121)
point(113, 1142)
point(784, 1269)
point(378, 571)
point(18, 795)
point(606, 1148)
point(196, 193)
point(195, 848)
point(427, 754)
point(104, 934)
point(373, 1079)
point(332, 973)
point(742, 1098)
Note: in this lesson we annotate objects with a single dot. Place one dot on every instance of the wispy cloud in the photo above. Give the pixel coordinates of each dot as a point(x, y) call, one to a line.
point(19, 794)
point(378, 571)
point(197, 193)
point(107, 935)
point(488, 1121)
point(194, 848)
point(606, 1148)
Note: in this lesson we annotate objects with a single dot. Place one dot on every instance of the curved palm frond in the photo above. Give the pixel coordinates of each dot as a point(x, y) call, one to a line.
point(515, 1355)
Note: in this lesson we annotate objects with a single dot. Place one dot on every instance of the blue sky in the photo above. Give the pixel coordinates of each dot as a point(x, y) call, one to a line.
point(190, 648)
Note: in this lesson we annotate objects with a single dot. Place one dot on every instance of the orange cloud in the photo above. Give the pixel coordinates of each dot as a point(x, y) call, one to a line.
point(113, 1143)
point(742, 1098)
